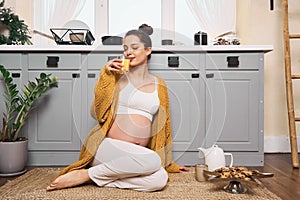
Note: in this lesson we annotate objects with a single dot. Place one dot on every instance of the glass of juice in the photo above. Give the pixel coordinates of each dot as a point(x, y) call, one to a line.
point(126, 64)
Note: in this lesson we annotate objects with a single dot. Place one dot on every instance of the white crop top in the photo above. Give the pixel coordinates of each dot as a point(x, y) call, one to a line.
point(134, 101)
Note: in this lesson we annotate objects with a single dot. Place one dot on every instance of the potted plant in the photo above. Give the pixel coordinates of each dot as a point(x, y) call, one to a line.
point(13, 31)
point(13, 147)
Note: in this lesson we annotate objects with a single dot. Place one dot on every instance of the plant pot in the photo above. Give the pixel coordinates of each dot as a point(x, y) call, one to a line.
point(13, 157)
point(4, 30)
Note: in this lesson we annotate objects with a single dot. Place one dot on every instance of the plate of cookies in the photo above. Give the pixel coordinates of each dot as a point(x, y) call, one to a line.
point(236, 175)
point(240, 173)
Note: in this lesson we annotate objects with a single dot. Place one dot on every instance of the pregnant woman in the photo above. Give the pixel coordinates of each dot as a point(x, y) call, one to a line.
point(131, 146)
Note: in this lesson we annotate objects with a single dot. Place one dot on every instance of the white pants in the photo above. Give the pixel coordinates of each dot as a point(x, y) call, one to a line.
point(125, 165)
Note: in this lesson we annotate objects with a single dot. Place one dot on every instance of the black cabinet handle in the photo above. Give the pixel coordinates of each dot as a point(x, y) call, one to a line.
point(91, 75)
point(52, 61)
point(111, 57)
point(233, 61)
point(210, 75)
point(16, 75)
point(195, 75)
point(173, 61)
point(75, 75)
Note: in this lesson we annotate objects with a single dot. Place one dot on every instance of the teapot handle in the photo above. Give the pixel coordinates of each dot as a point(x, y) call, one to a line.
point(201, 154)
point(231, 158)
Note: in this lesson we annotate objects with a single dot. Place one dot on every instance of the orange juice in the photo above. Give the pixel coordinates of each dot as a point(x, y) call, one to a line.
point(126, 63)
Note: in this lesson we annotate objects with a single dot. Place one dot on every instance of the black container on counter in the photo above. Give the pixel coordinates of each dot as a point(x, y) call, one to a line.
point(167, 42)
point(200, 38)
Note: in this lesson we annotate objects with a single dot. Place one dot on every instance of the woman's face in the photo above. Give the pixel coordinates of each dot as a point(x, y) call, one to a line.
point(135, 51)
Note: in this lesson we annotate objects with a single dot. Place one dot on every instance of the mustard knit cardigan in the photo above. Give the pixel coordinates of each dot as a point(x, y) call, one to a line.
point(104, 110)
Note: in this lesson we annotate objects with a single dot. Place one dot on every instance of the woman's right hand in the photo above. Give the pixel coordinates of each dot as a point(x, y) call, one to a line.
point(115, 65)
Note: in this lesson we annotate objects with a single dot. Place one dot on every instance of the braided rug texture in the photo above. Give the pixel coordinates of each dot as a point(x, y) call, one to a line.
point(181, 186)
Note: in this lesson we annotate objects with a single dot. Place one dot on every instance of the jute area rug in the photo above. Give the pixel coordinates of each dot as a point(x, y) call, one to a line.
point(181, 186)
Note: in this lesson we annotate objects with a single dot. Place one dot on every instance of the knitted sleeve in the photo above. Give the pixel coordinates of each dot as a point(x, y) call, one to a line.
point(103, 94)
point(171, 167)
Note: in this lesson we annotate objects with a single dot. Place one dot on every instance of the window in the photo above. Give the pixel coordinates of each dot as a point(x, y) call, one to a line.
point(129, 14)
point(171, 19)
point(87, 13)
point(185, 23)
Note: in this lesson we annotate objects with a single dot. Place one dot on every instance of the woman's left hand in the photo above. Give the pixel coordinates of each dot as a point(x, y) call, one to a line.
point(184, 169)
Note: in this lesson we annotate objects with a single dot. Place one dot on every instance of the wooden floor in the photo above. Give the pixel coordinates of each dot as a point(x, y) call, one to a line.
point(286, 180)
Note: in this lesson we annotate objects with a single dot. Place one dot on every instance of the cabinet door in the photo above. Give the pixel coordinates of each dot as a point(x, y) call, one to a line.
point(17, 80)
point(232, 114)
point(186, 94)
point(55, 122)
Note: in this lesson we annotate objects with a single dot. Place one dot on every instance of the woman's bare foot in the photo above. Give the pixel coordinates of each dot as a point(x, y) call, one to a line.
point(73, 178)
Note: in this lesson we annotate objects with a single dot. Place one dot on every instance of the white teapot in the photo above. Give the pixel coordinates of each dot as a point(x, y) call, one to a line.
point(215, 157)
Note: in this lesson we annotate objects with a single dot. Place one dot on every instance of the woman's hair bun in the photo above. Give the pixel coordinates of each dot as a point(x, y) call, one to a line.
point(146, 29)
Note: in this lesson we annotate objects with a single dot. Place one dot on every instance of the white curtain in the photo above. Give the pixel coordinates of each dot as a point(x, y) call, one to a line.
point(216, 17)
point(53, 14)
point(64, 10)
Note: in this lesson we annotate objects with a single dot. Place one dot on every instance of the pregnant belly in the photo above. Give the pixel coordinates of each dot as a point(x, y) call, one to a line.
point(131, 128)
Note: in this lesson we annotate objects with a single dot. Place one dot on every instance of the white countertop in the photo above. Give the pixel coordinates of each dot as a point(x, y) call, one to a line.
point(99, 48)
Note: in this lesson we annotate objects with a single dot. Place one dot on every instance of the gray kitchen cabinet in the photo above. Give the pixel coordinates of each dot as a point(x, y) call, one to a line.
point(55, 122)
point(216, 97)
point(54, 125)
point(234, 105)
point(231, 110)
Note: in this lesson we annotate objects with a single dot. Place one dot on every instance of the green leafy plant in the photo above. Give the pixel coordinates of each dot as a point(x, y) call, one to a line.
point(18, 105)
point(18, 32)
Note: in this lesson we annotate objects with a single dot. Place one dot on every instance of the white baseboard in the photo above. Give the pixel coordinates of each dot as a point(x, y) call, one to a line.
point(278, 144)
